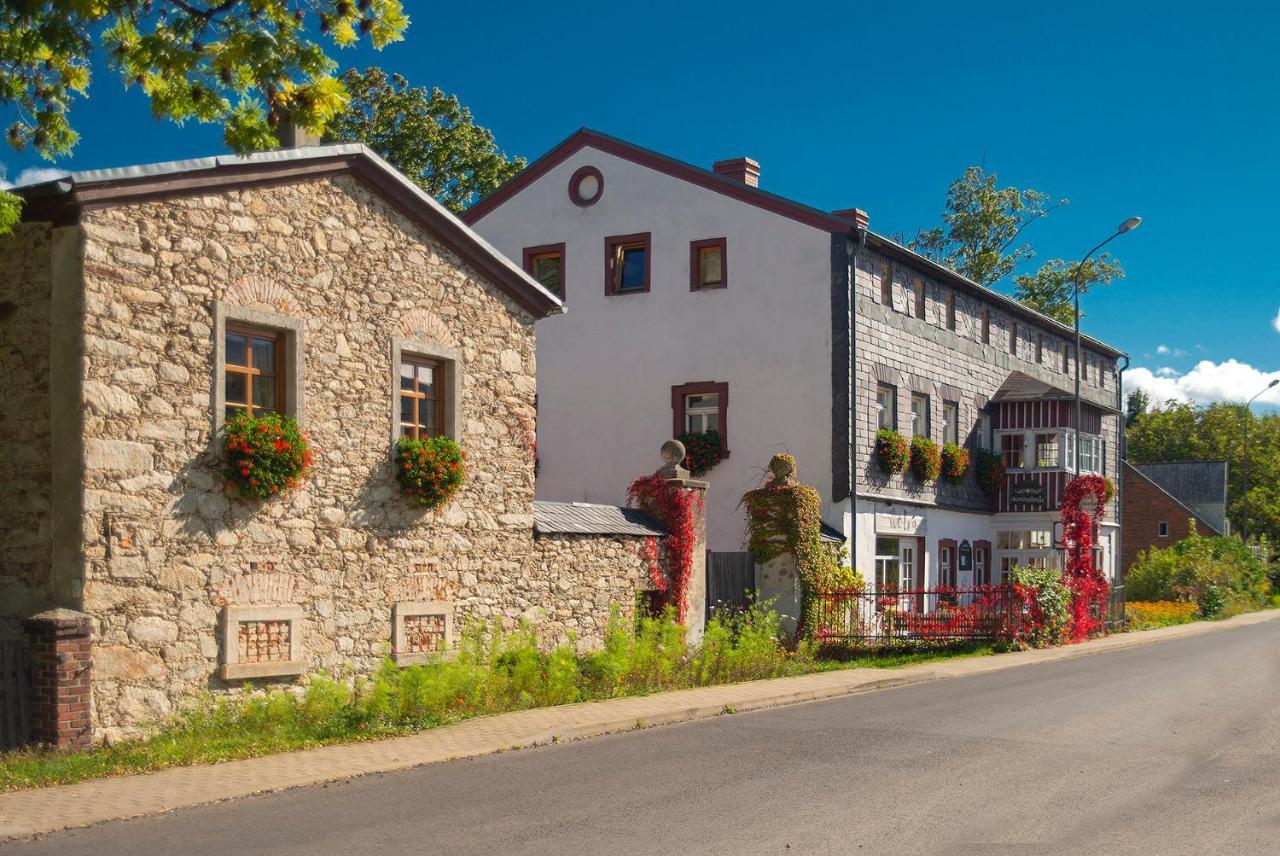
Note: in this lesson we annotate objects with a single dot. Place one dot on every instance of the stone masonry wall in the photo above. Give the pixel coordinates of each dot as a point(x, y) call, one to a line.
point(923, 355)
point(25, 283)
point(165, 549)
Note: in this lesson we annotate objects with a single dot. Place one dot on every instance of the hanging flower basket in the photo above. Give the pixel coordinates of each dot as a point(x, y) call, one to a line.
point(263, 456)
point(703, 450)
point(430, 470)
point(891, 450)
point(955, 462)
point(926, 460)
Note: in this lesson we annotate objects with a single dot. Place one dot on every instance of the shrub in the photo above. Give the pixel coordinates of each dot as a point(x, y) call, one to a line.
point(1147, 615)
point(926, 460)
point(430, 469)
point(263, 456)
point(891, 450)
point(955, 462)
point(703, 450)
point(1216, 573)
point(1048, 602)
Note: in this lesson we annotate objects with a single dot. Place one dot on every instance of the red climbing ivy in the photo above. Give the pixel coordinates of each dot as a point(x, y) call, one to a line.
point(1087, 584)
point(677, 507)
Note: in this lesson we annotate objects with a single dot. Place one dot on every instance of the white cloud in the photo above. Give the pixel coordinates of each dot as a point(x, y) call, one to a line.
point(1166, 351)
point(1206, 383)
point(31, 175)
point(1276, 321)
point(1162, 349)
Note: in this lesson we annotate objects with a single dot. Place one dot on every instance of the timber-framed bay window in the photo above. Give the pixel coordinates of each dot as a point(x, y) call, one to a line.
point(1052, 450)
point(258, 363)
point(426, 390)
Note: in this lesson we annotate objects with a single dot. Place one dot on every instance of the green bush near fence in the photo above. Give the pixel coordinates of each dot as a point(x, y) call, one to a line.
point(1219, 574)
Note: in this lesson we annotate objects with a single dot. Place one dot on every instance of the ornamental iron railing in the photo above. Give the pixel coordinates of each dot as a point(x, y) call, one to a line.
point(857, 617)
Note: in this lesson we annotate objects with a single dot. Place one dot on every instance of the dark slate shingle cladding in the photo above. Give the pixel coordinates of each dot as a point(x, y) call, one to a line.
point(581, 518)
point(1199, 485)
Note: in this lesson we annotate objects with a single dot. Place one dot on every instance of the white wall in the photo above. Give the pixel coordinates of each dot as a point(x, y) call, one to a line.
point(606, 367)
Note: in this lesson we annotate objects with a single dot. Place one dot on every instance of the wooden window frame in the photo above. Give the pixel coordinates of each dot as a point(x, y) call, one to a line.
point(679, 396)
point(920, 309)
point(249, 371)
point(531, 256)
point(695, 267)
point(951, 311)
point(893, 406)
point(1039, 348)
point(955, 428)
point(440, 370)
point(927, 414)
point(292, 336)
point(1020, 448)
point(612, 245)
point(986, 326)
point(1013, 338)
point(415, 351)
point(886, 283)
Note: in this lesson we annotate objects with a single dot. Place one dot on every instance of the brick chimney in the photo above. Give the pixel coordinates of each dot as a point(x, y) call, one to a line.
point(745, 170)
point(857, 215)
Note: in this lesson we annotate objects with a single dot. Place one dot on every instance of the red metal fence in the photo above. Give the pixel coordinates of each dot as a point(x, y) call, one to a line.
point(857, 617)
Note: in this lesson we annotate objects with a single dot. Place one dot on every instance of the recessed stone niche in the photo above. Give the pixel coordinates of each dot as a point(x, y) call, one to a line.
point(421, 630)
point(262, 642)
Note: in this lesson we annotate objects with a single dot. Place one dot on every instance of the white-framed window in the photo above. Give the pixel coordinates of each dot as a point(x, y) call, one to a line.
point(1162, 529)
point(920, 414)
point(1012, 447)
point(1026, 547)
point(980, 567)
point(984, 431)
point(888, 563)
point(886, 406)
point(702, 412)
point(1047, 451)
point(1091, 454)
point(950, 422)
point(946, 569)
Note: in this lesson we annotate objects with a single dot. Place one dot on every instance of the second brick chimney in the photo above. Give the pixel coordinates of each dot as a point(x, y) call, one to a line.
point(745, 170)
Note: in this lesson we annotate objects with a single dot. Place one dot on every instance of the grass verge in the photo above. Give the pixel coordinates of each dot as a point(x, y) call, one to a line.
point(495, 671)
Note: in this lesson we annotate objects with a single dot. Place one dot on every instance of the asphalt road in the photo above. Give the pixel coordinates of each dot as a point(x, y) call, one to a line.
point(1166, 749)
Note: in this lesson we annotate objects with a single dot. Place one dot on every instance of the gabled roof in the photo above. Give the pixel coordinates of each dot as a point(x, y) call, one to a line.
point(584, 518)
point(1200, 486)
point(1215, 522)
point(62, 200)
point(780, 205)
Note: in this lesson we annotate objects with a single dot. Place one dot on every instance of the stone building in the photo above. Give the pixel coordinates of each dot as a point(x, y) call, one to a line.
point(697, 299)
point(138, 305)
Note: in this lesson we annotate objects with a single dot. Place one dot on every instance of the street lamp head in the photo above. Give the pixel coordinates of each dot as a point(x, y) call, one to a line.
point(1129, 225)
point(1273, 383)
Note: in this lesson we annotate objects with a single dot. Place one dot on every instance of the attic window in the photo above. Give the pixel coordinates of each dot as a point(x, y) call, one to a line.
point(586, 186)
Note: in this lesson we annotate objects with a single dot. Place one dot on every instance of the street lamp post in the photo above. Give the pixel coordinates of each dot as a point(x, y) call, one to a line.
point(1127, 226)
point(1247, 421)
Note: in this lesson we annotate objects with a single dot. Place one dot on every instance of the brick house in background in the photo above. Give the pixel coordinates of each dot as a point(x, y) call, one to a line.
point(697, 299)
point(130, 300)
point(1161, 500)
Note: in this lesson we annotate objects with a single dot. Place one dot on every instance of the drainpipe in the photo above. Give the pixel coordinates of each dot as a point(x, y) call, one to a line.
point(1122, 456)
point(859, 242)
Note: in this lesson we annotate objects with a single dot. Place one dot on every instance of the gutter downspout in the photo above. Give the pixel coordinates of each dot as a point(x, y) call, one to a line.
point(859, 243)
point(1123, 457)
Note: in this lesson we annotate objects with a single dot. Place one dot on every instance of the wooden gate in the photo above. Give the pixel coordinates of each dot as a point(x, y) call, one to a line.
point(731, 581)
point(15, 691)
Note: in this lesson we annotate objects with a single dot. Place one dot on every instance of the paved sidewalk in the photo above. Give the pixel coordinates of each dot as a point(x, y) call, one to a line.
point(44, 810)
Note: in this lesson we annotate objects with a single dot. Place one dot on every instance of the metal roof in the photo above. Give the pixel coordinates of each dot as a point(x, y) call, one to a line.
point(584, 518)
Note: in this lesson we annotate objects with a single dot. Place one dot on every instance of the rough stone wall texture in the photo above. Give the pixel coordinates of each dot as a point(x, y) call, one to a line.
point(922, 354)
point(346, 546)
point(25, 284)
point(1145, 508)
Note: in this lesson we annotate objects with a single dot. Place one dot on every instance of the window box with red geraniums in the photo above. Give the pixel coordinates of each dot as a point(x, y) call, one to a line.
point(990, 471)
point(703, 450)
point(926, 460)
point(430, 470)
point(264, 456)
point(891, 450)
point(955, 462)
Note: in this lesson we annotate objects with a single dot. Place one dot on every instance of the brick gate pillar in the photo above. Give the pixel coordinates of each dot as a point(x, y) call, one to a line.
point(61, 656)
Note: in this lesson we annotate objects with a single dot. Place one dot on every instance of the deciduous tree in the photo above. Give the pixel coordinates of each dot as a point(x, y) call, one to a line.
point(426, 134)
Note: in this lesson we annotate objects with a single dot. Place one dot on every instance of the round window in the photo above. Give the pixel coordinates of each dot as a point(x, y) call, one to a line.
point(586, 186)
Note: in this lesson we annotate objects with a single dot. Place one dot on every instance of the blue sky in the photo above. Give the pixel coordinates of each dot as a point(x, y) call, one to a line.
point(1163, 110)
